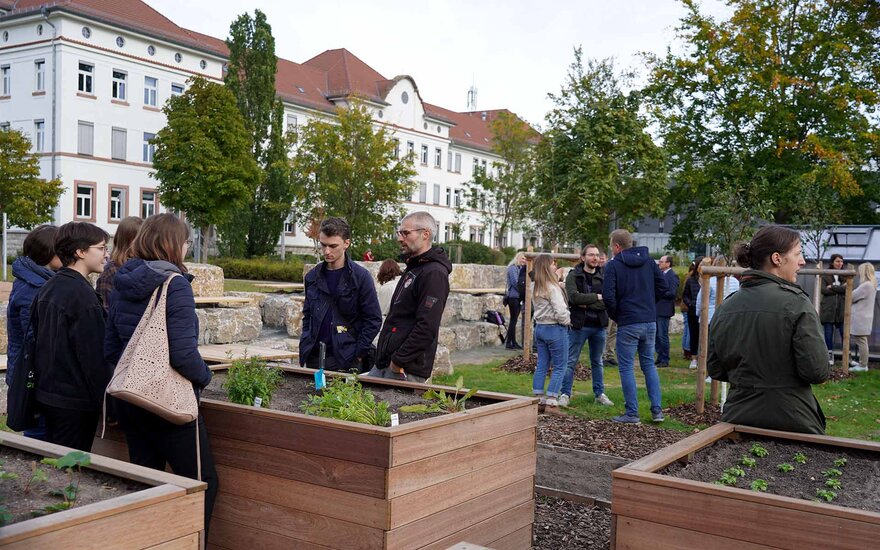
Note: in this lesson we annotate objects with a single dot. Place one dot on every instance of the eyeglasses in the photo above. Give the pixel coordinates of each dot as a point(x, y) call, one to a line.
point(405, 232)
point(103, 249)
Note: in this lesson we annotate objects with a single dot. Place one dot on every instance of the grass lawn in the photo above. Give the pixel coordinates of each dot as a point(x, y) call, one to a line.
point(851, 405)
point(241, 285)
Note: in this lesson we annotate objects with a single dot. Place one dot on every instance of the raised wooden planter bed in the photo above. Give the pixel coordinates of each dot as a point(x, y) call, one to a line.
point(295, 481)
point(169, 515)
point(657, 512)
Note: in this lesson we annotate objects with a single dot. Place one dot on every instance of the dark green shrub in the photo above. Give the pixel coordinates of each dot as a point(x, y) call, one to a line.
point(262, 269)
point(250, 378)
point(385, 250)
point(474, 253)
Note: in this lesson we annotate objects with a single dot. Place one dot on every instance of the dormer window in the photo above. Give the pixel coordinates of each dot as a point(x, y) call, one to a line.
point(404, 97)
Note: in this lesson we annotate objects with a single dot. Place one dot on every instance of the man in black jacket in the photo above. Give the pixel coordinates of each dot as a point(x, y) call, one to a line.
point(408, 340)
point(68, 327)
point(665, 311)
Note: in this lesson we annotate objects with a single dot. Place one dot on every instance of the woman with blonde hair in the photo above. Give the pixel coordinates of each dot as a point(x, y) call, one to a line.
point(862, 320)
point(552, 320)
point(512, 299)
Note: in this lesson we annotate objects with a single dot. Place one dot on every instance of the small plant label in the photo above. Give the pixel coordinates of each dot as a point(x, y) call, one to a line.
point(395, 420)
point(320, 380)
point(258, 401)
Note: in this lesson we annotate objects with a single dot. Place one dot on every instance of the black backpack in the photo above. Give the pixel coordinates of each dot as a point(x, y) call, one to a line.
point(494, 317)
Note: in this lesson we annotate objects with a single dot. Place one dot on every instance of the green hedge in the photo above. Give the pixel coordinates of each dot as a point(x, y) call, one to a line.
point(475, 253)
point(262, 269)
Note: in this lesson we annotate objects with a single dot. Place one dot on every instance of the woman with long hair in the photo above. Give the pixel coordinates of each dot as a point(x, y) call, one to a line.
point(513, 299)
point(388, 277)
point(552, 320)
point(125, 233)
point(833, 304)
point(689, 299)
point(157, 254)
point(766, 340)
point(863, 298)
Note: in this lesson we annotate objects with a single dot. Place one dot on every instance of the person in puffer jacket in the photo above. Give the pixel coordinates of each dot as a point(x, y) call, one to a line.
point(157, 253)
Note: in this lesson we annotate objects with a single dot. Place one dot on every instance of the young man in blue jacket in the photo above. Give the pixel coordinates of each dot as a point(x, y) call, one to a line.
point(633, 284)
point(341, 308)
point(665, 311)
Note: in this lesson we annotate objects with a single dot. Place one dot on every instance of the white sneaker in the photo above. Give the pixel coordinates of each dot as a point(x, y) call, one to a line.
point(552, 402)
point(708, 379)
point(693, 364)
point(603, 400)
point(563, 401)
point(858, 368)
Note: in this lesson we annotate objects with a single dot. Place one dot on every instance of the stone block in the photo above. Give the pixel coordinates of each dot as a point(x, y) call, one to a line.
point(292, 344)
point(478, 276)
point(208, 279)
point(228, 325)
point(442, 362)
point(452, 310)
point(472, 308)
point(468, 336)
point(274, 309)
point(495, 301)
point(446, 338)
point(257, 298)
point(489, 334)
point(293, 316)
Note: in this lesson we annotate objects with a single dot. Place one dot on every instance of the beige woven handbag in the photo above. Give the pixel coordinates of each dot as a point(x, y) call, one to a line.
point(144, 375)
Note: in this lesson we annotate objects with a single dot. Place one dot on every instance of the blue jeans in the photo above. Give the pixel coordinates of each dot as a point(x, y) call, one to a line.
point(829, 334)
point(686, 335)
point(661, 341)
point(631, 338)
point(576, 339)
point(552, 344)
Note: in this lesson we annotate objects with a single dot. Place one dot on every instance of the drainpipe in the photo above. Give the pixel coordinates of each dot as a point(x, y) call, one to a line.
point(45, 13)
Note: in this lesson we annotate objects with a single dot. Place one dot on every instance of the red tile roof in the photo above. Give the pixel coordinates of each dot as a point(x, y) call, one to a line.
point(346, 75)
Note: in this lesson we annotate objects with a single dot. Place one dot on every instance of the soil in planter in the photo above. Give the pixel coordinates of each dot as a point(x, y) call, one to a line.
point(563, 524)
point(294, 389)
point(93, 486)
point(631, 441)
point(859, 479)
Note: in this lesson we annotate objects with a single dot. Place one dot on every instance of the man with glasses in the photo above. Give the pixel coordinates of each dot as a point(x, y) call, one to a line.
point(408, 340)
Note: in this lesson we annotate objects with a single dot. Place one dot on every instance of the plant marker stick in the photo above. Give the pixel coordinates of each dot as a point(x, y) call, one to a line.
point(320, 381)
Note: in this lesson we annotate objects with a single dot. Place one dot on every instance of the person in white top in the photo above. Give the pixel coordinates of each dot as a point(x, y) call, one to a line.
point(552, 320)
point(863, 298)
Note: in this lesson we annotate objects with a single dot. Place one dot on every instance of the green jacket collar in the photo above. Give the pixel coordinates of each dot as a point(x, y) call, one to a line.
point(755, 277)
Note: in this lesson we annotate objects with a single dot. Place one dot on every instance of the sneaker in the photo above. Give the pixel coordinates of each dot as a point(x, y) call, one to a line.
point(693, 364)
point(626, 419)
point(858, 368)
point(708, 379)
point(542, 404)
point(603, 400)
point(611, 361)
point(662, 365)
point(657, 416)
point(564, 400)
point(553, 407)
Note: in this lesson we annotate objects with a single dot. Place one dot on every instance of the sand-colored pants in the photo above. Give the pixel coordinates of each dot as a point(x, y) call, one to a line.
point(610, 342)
point(861, 342)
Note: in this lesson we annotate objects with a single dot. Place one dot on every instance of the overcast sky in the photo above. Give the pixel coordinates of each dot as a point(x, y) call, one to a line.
point(514, 51)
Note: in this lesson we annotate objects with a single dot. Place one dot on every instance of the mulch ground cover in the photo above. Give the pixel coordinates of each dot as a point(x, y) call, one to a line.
point(631, 441)
point(518, 365)
point(686, 413)
point(563, 524)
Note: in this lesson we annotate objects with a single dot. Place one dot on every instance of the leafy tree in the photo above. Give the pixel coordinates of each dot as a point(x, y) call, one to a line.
point(348, 168)
point(26, 198)
point(251, 78)
point(506, 195)
point(597, 165)
point(203, 160)
point(778, 102)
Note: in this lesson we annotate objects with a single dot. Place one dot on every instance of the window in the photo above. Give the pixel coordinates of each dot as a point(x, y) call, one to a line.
point(4, 126)
point(449, 196)
point(438, 155)
point(148, 203)
point(118, 143)
point(447, 235)
point(149, 148)
point(483, 167)
point(449, 161)
point(85, 143)
point(176, 89)
point(6, 77)
point(410, 148)
point(120, 41)
point(39, 75)
point(151, 50)
point(396, 148)
point(118, 203)
point(39, 136)
point(85, 201)
point(151, 87)
point(425, 155)
point(203, 64)
point(476, 166)
point(86, 72)
point(290, 226)
point(423, 192)
point(178, 57)
point(458, 198)
point(119, 85)
point(458, 163)
point(86, 32)
point(437, 193)
point(291, 123)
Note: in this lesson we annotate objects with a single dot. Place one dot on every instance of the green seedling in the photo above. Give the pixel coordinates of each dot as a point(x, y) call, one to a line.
point(832, 483)
point(832, 472)
point(784, 467)
point(250, 378)
point(758, 451)
point(748, 461)
point(840, 462)
point(345, 398)
point(759, 485)
point(72, 464)
point(800, 458)
point(738, 472)
point(826, 495)
point(439, 401)
point(38, 475)
point(727, 479)
point(5, 515)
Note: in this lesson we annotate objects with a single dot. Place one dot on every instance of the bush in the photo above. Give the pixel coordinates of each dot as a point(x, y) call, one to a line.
point(262, 269)
point(475, 253)
point(389, 249)
point(250, 378)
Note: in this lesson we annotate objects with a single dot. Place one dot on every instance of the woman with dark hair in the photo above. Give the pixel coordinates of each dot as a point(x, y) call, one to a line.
point(157, 254)
point(125, 233)
point(389, 275)
point(766, 340)
point(833, 304)
point(689, 298)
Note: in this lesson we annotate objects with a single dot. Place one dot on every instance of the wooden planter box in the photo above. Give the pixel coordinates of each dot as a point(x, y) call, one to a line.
point(295, 481)
point(169, 515)
point(657, 512)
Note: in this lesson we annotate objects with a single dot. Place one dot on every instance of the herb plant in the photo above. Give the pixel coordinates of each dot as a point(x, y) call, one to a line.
point(826, 495)
point(71, 463)
point(785, 467)
point(800, 458)
point(758, 451)
point(748, 461)
point(439, 401)
point(250, 378)
point(832, 483)
point(738, 472)
point(345, 398)
point(840, 462)
point(759, 485)
point(832, 472)
point(727, 479)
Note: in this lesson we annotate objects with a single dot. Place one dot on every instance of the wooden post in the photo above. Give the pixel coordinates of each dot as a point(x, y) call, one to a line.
point(847, 322)
point(719, 297)
point(527, 312)
point(817, 290)
point(704, 343)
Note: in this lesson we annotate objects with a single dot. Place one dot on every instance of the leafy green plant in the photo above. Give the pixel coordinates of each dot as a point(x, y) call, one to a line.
point(727, 479)
point(758, 451)
point(345, 398)
point(800, 458)
point(439, 401)
point(738, 472)
point(840, 462)
point(38, 476)
point(784, 467)
point(833, 483)
point(826, 495)
point(759, 485)
point(748, 461)
point(72, 464)
point(5, 516)
point(250, 378)
point(832, 472)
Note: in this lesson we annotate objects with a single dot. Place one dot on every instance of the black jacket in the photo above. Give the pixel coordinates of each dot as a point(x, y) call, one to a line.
point(689, 294)
point(583, 291)
point(68, 325)
point(409, 335)
point(666, 305)
point(357, 309)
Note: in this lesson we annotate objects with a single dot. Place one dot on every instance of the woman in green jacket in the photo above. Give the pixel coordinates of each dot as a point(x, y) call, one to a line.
point(766, 340)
